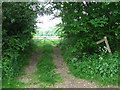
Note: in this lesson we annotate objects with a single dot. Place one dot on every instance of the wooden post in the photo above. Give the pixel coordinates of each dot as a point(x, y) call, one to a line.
point(44, 39)
point(107, 44)
point(100, 41)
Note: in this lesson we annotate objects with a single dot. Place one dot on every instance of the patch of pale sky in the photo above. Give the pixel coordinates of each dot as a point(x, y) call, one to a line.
point(45, 22)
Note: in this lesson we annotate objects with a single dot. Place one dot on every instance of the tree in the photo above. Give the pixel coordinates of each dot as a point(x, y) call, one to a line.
point(85, 23)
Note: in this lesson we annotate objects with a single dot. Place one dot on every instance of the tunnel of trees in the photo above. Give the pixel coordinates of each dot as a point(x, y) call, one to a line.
point(83, 24)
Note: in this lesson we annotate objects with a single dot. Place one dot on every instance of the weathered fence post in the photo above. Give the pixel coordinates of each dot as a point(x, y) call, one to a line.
point(44, 39)
point(108, 47)
point(107, 44)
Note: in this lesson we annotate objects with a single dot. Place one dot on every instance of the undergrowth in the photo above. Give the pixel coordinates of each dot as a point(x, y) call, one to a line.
point(13, 82)
point(100, 68)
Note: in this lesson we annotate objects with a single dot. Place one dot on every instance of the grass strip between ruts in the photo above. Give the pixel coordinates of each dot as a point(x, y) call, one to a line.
point(45, 67)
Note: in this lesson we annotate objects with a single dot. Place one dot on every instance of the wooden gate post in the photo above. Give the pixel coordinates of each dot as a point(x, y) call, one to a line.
point(107, 44)
point(108, 47)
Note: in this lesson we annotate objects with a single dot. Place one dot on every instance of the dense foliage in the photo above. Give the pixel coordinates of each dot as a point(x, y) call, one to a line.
point(83, 24)
point(17, 29)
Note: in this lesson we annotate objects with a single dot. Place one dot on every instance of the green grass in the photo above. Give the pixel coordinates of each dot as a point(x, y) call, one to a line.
point(14, 83)
point(52, 42)
point(46, 67)
point(43, 42)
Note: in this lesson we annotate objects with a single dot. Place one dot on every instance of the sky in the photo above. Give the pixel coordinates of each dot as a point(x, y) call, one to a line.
point(47, 22)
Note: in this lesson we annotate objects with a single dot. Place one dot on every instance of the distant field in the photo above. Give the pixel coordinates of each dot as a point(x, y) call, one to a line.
point(47, 37)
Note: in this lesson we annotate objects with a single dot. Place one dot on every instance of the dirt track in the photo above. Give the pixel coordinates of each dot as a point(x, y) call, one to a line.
point(69, 81)
point(27, 79)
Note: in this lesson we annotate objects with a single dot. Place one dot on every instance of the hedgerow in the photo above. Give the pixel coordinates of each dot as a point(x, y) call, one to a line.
point(18, 28)
point(83, 24)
